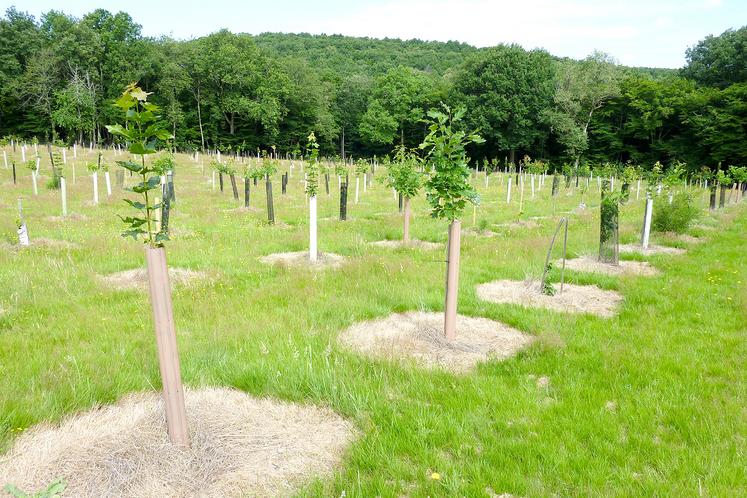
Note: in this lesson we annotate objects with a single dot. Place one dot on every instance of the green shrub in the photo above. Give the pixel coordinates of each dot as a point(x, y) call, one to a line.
point(677, 216)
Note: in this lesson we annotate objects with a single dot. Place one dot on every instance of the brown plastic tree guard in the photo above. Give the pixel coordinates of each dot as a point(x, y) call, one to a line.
point(452, 279)
point(168, 355)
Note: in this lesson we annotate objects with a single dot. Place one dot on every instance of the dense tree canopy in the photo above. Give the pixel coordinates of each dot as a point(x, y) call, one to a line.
point(60, 74)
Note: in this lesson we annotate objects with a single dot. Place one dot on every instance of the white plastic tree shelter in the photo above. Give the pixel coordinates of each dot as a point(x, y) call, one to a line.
point(95, 177)
point(108, 184)
point(647, 221)
point(23, 233)
point(63, 195)
point(508, 191)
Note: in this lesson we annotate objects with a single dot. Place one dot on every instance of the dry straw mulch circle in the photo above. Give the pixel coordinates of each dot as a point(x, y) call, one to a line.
point(414, 243)
point(301, 258)
point(137, 279)
point(593, 265)
point(240, 446)
point(419, 336)
point(651, 250)
point(573, 299)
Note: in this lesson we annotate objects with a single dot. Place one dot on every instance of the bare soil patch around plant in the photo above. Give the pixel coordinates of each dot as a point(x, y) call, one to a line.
point(419, 336)
point(301, 259)
point(591, 264)
point(240, 446)
point(573, 299)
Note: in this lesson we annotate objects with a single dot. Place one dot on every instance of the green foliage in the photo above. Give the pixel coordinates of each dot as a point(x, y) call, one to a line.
point(361, 167)
point(164, 163)
point(738, 174)
point(141, 130)
point(448, 187)
point(723, 178)
point(223, 167)
point(677, 216)
point(548, 288)
point(54, 490)
point(312, 168)
point(608, 213)
point(719, 60)
point(654, 177)
point(507, 91)
point(268, 167)
point(403, 175)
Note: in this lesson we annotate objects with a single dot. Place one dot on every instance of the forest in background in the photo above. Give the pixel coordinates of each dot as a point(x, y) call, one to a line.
point(235, 92)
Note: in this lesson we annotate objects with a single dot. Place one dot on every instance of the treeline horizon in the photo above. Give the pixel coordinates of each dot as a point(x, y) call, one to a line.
point(362, 96)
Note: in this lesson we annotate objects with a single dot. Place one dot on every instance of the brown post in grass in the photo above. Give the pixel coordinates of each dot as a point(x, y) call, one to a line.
point(452, 279)
point(168, 356)
point(406, 234)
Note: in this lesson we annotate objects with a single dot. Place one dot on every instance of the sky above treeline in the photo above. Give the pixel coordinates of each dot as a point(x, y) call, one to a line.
point(652, 33)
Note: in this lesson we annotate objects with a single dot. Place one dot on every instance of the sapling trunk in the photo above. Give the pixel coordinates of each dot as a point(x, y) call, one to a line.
point(399, 201)
point(452, 279)
point(326, 182)
point(406, 230)
point(220, 180)
point(247, 191)
point(15, 180)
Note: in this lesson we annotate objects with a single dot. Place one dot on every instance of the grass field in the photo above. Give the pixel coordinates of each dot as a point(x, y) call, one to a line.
point(649, 403)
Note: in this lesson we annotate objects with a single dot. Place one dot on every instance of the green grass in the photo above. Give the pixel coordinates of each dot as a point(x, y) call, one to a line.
point(671, 364)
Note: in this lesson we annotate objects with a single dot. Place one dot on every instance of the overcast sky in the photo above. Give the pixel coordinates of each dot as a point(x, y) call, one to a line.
point(635, 32)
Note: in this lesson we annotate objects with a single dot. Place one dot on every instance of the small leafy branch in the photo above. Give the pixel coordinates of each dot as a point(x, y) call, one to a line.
point(403, 175)
point(448, 188)
point(54, 490)
point(164, 163)
point(654, 177)
point(547, 288)
point(312, 170)
point(268, 168)
point(361, 167)
point(141, 132)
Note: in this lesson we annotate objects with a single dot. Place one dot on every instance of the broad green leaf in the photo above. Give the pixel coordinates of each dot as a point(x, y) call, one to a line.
point(131, 165)
point(119, 130)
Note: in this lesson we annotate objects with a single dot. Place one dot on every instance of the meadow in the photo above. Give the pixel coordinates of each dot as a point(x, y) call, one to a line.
point(650, 402)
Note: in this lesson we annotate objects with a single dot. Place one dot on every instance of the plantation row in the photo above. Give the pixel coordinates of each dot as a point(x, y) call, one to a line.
point(465, 345)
